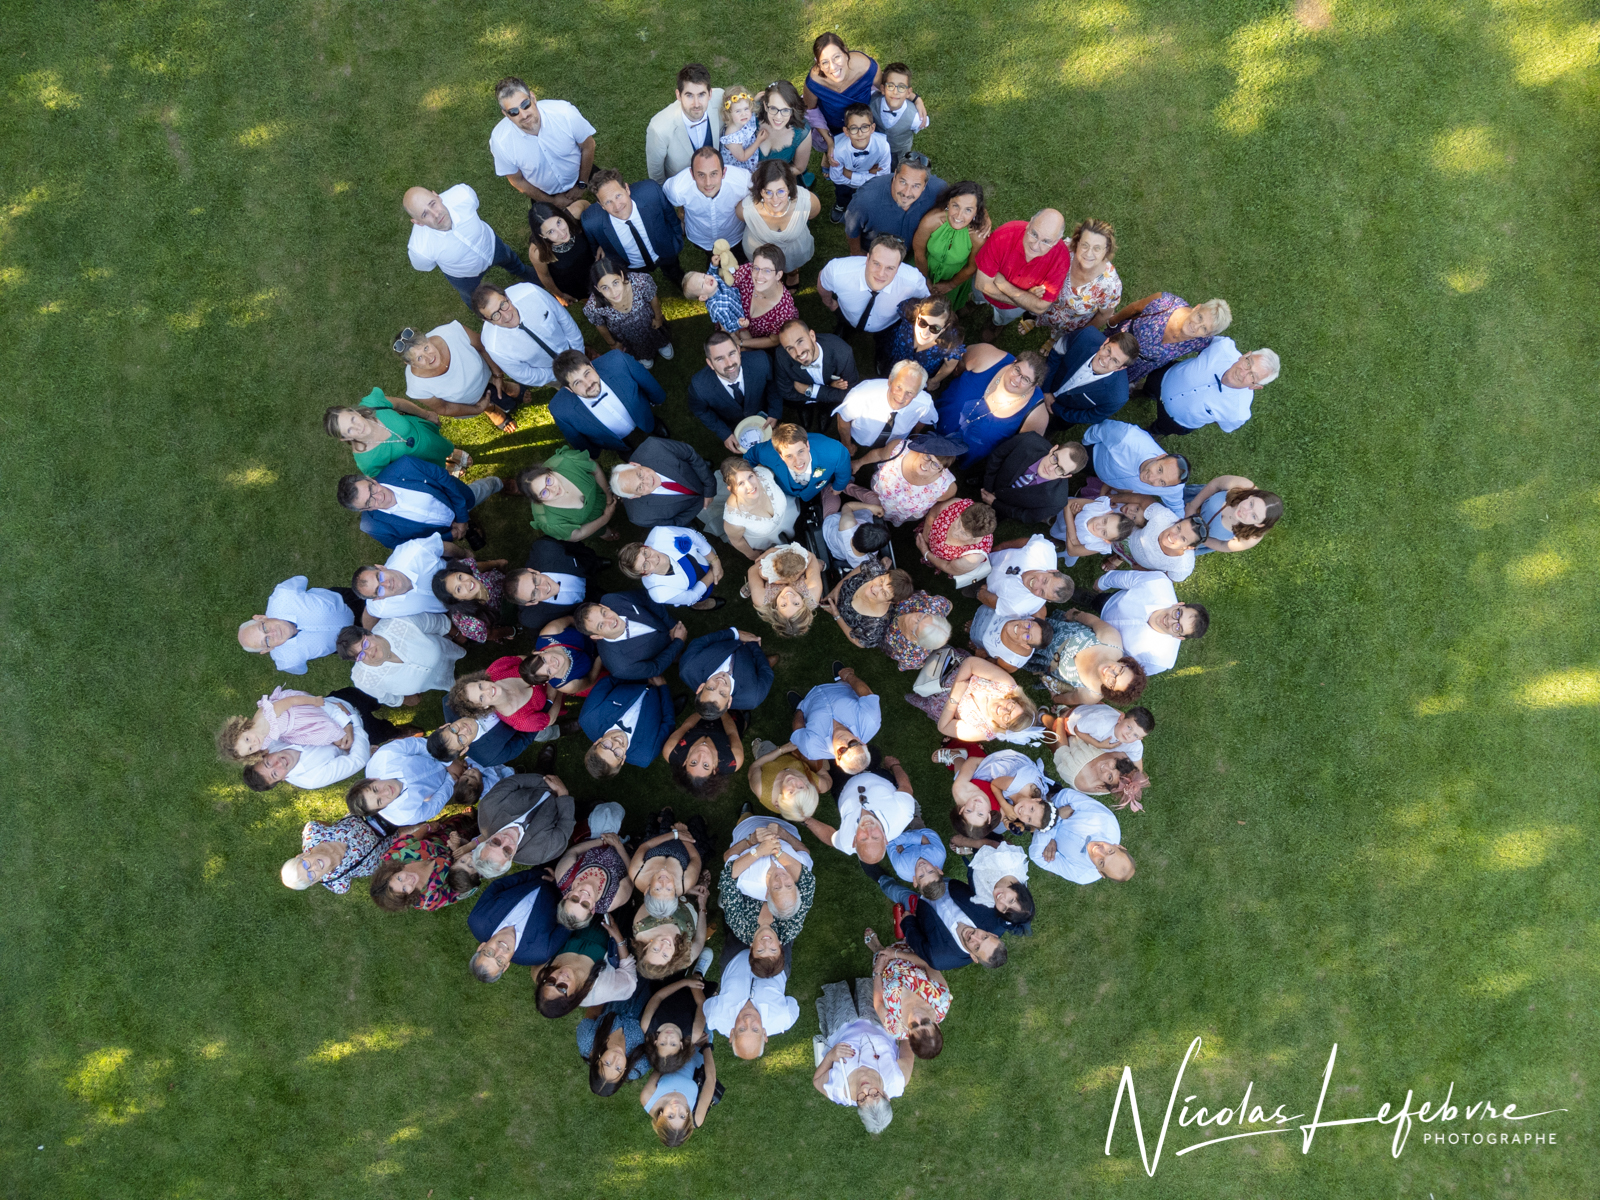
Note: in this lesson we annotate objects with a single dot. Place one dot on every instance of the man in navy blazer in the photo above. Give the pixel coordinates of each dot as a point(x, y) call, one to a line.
point(727, 669)
point(663, 483)
point(1026, 478)
point(515, 922)
point(730, 387)
point(927, 926)
point(555, 581)
point(635, 224)
point(1087, 375)
point(413, 498)
point(620, 733)
point(636, 637)
point(598, 399)
point(817, 460)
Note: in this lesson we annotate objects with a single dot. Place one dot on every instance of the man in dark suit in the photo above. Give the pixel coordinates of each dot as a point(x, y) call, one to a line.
point(618, 733)
point(940, 931)
point(413, 498)
point(554, 582)
point(525, 819)
point(636, 637)
point(635, 224)
point(726, 669)
point(1027, 479)
point(730, 387)
point(663, 483)
point(1087, 375)
point(608, 404)
point(812, 371)
point(507, 933)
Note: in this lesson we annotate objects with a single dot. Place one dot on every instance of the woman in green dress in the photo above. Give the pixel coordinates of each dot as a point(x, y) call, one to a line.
point(380, 430)
point(948, 239)
point(1083, 662)
point(571, 499)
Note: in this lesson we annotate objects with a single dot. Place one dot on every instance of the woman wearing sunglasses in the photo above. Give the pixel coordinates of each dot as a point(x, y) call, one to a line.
point(930, 337)
point(450, 373)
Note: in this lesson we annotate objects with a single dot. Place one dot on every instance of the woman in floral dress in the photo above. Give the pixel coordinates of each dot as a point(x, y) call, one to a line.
point(624, 307)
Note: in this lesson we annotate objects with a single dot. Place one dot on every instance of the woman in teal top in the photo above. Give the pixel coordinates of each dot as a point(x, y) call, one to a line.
point(784, 121)
point(380, 430)
point(571, 499)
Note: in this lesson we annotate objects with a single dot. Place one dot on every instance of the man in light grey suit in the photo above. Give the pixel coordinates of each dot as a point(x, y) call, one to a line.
point(692, 120)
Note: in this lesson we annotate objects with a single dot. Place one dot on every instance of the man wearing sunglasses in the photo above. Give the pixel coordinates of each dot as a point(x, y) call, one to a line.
point(1144, 609)
point(448, 233)
point(543, 148)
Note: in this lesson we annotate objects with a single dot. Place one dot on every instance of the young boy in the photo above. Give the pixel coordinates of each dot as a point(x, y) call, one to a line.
point(852, 535)
point(859, 153)
point(898, 111)
point(1095, 528)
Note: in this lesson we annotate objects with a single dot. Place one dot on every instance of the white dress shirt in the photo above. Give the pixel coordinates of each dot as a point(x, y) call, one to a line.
point(422, 507)
point(428, 785)
point(619, 226)
point(874, 1048)
point(463, 381)
point(1193, 393)
point(676, 588)
point(738, 985)
point(517, 354)
point(1145, 546)
point(990, 865)
point(1119, 450)
point(853, 167)
point(1099, 721)
point(609, 410)
point(951, 917)
point(629, 721)
point(517, 919)
point(1082, 377)
point(322, 766)
point(876, 795)
point(866, 408)
point(707, 218)
point(752, 880)
point(830, 702)
point(570, 589)
point(419, 561)
point(1012, 599)
point(462, 251)
point(427, 659)
point(839, 539)
point(549, 159)
point(318, 615)
point(846, 278)
point(1091, 821)
point(1128, 612)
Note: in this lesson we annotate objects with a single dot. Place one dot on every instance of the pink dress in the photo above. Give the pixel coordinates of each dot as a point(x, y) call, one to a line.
point(302, 725)
point(903, 501)
point(775, 318)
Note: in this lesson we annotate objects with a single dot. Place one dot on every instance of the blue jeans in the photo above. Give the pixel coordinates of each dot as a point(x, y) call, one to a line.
point(506, 259)
point(898, 892)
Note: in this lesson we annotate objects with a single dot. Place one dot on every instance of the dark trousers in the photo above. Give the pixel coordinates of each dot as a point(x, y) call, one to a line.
point(882, 342)
point(1164, 425)
point(506, 259)
point(357, 604)
point(843, 193)
point(736, 247)
point(671, 270)
point(378, 730)
point(637, 436)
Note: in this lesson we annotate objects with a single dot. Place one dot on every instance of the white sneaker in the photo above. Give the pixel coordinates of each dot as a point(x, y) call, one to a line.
point(703, 963)
point(665, 352)
point(647, 363)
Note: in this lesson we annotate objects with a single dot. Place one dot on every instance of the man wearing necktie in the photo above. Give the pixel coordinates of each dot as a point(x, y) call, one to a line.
point(664, 482)
point(525, 331)
point(677, 567)
point(635, 224)
point(867, 293)
point(730, 387)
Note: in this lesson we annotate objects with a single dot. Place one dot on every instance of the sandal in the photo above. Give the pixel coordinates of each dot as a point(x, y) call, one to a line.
point(949, 756)
point(500, 419)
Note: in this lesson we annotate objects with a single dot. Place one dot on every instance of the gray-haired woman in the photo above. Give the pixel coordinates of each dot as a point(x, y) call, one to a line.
point(864, 1066)
point(450, 373)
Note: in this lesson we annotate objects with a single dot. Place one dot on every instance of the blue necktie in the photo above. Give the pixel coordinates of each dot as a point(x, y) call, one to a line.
point(685, 560)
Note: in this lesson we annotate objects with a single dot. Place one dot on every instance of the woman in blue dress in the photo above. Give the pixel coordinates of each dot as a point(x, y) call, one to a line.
point(608, 1042)
point(839, 77)
point(563, 659)
point(1236, 512)
point(996, 397)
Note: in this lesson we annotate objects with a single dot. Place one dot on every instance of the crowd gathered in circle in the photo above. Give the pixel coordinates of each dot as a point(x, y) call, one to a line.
point(822, 461)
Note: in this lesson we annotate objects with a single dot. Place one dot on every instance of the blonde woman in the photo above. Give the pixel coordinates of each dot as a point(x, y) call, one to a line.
point(785, 586)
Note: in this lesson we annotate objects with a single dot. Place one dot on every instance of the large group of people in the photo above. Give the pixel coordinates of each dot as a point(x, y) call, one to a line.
point(1041, 699)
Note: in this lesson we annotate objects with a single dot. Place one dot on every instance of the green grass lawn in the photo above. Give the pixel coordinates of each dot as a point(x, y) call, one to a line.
point(1375, 778)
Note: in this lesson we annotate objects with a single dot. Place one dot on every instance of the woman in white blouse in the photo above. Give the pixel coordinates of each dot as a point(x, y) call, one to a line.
point(757, 514)
point(449, 372)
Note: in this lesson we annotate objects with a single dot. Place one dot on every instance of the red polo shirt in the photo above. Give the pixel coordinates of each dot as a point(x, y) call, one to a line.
point(1002, 255)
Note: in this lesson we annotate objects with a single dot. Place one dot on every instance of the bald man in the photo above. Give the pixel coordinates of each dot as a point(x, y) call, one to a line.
point(1086, 843)
point(1022, 269)
point(448, 233)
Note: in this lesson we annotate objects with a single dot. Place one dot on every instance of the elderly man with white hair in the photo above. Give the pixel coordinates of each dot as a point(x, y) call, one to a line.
point(525, 819)
point(864, 1066)
point(1085, 843)
point(301, 623)
point(448, 233)
point(878, 411)
point(1217, 385)
point(872, 813)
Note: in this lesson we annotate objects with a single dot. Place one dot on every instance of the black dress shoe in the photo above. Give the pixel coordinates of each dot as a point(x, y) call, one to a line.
point(838, 668)
point(793, 697)
point(546, 762)
point(716, 603)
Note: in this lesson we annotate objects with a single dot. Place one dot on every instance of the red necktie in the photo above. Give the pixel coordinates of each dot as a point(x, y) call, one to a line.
point(679, 488)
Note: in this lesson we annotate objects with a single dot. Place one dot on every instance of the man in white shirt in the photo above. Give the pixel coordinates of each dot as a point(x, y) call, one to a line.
point(1023, 581)
point(692, 120)
point(301, 623)
point(405, 785)
point(747, 1010)
point(1165, 543)
point(403, 586)
point(677, 567)
point(872, 813)
point(1144, 609)
point(1085, 844)
point(867, 292)
point(448, 233)
point(525, 330)
point(1128, 460)
point(708, 196)
point(544, 148)
point(1218, 384)
point(402, 657)
point(878, 411)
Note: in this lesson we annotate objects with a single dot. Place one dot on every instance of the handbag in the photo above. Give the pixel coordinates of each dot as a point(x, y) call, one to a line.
point(981, 571)
point(930, 679)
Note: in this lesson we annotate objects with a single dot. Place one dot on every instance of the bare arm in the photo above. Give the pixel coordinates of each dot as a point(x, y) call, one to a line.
point(672, 738)
point(649, 1013)
point(401, 404)
point(1101, 630)
point(731, 730)
point(1222, 483)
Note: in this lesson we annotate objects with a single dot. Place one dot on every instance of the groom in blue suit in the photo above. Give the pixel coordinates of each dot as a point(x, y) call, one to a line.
point(413, 498)
point(608, 404)
point(507, 933)
point(742, 685)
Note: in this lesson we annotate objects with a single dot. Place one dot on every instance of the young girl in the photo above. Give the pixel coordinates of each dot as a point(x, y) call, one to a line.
point(1095, 528)
point(740, 128)
point(283, 718)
